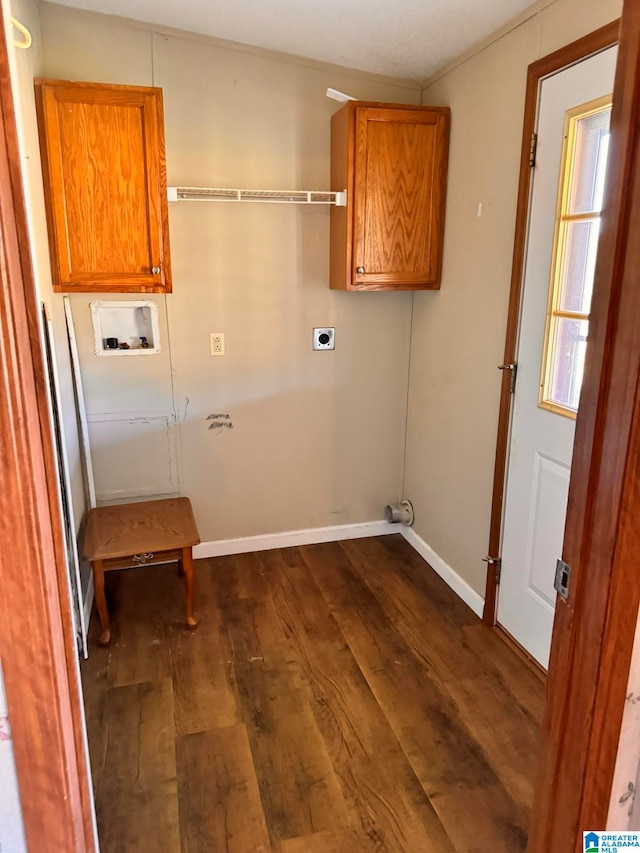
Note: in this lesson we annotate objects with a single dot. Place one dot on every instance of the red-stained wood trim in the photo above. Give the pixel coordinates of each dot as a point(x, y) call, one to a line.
point(36, 632)
point(594, 629)
point(554, 62)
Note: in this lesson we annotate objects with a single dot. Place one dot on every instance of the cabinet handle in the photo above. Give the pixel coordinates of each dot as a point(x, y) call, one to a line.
point(155, 270)
point(360, 270)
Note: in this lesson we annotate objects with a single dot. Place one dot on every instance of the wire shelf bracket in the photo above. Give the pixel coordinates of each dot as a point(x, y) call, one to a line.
point(339, 199)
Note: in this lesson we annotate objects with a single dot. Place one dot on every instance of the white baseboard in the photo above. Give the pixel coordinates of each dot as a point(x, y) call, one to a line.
point(88, 601)
point(315, 535)
point(449, 575)
point(292, 538)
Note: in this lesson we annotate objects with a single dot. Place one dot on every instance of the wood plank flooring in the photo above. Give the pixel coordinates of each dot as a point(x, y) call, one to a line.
point(334, 698)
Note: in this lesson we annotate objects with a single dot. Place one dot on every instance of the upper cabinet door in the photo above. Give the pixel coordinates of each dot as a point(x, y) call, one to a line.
point(105, 186)
point(393, 162)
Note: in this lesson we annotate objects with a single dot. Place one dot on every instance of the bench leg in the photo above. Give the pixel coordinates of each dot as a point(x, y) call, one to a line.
point(101, 601)
point(187, 568)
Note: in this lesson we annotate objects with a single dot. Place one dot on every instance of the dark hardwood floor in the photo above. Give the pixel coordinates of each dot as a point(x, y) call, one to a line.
point(334, 698)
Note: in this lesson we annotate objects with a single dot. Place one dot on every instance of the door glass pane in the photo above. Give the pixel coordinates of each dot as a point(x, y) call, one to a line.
point(578, 265)
point(567, 368)
point(590, 162)
point(580, 199)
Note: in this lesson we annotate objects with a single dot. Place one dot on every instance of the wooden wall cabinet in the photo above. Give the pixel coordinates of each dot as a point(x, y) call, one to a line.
point(392, 160)
point(105, 186)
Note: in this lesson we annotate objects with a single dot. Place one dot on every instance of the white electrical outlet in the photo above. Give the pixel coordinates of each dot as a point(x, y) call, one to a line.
point(324, 338)
point(217, 343)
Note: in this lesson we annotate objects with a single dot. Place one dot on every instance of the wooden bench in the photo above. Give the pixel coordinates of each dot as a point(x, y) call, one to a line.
point(140, 534)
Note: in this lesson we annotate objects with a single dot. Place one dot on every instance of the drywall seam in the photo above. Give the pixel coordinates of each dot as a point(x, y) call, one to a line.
point(293, 538)
point(449, 575)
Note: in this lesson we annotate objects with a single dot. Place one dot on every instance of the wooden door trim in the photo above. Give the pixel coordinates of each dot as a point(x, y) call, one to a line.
point(594, 629)
point(36, 630)
point(578, 50)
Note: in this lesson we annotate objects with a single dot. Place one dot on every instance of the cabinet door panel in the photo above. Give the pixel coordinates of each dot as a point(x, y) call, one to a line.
point(397, 197)
point(400, 158)
point(92, 137)
point(105, 184)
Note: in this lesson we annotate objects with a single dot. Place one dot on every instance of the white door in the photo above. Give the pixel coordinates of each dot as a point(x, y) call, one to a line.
point(542, 431)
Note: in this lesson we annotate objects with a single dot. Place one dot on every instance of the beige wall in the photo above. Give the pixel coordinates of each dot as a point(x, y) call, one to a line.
point(318, 438)
point(458, 333)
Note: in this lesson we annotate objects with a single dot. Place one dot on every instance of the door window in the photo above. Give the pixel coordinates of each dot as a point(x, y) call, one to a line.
point(579, 210)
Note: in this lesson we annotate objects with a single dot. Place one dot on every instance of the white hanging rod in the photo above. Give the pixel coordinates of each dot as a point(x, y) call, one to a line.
point(278, 196)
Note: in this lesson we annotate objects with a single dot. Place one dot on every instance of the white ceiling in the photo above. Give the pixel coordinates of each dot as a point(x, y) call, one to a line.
point(399, 38)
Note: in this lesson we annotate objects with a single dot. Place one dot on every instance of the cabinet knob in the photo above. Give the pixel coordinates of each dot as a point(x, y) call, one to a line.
point(155, 270)
point(360, 270)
